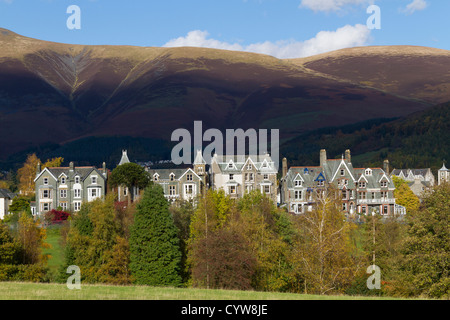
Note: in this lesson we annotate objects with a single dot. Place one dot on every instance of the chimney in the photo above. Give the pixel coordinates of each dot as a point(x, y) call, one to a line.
point(71, 166)
point(38, 168)
point(284, 169)
point(323, 157)
point(386, 166)
point(104, 169)
point(348, 156)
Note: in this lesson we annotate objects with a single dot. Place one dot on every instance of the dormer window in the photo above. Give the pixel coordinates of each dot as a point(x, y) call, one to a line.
point(172, 177)
point(368, 172)
point(362, 184)
point(77, 179)
point(384, 184)
point(155, 177)
point(298, 183)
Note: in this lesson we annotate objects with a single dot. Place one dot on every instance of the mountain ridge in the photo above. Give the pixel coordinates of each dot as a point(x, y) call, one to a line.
point(58, 93)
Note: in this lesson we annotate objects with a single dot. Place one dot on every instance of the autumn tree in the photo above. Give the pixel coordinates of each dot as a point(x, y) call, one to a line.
point(96, 244)
point(27, 173)
point(32, 239)
point(404, 196)
point(322, 253)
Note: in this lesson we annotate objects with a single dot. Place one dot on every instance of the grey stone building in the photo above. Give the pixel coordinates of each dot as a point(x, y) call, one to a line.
point(6, 198)
point(419, 180)
point(237, 175)
point(182, 184)
point(68, 187)
point(363, 190)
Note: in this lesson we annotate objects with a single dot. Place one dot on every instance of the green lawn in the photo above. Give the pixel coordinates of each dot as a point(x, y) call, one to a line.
point(38, 291)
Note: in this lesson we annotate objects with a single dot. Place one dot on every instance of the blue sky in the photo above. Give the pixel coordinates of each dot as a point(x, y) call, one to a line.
point(283, 28)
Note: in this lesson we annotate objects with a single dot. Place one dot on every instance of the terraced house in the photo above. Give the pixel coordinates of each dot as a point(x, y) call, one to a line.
point(363, 190)
point(182, 184)
point(68, 187)
point(238, 175)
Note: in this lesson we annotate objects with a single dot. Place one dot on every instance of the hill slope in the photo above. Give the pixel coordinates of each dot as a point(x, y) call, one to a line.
point(52, 93)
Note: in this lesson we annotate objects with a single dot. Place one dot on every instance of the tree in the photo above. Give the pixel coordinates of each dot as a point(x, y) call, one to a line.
point(155, 254)
point(130, 175)
point(32, 239)
point(404, 196)
point(426, 248)
point(19, 204)
point(322, 253)
point(27, 173)
point(52, 163)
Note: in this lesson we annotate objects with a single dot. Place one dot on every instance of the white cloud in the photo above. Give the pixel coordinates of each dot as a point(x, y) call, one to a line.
point(331, 5)
point(324, 41)
point(416, 5)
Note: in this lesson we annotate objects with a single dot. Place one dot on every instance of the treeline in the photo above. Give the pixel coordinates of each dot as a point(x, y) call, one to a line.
point(417, 141)
point(249, 244)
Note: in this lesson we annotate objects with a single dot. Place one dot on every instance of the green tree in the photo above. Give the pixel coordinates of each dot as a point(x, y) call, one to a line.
point(155, 256)
point(426, 248)
point(130, 175)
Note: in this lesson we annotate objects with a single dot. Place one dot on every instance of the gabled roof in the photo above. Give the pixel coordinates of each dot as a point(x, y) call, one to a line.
point(4, 193)
point(124, 158)
point(82, 172)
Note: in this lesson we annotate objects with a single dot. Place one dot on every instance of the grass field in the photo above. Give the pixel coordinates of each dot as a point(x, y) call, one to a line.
point(38, 291)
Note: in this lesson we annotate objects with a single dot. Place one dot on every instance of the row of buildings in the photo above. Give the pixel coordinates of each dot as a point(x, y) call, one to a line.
point(363, 190)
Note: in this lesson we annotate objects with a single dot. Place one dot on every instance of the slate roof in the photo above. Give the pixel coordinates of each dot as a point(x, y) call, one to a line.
point(240, 160)
point(4, 193)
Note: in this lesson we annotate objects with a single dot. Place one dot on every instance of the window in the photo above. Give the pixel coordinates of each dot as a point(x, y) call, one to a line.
point(320, 183)
point(385, 209)
point(344, 194)
point(200, 169)
point(232, 189)
point(344, 206)
point(362, 184)
point(384, 195)
point(362, 195)
point(46, 194)
point(266, 189)
point(77, 179)
point(189, 177)
point(189, 189)
point(45, 181)
point(249, 167)
point(251, 177)
point(45, 206)
point(77, 193)
point(297, 195)
point(155, 177)
point(298, 183)
point(342, 172)
point(231, 176)
point(63, 193)
point(383, 184)
point(266, 177)
point(373, 195)
point(93, 193)
point(249, 188)
point(363, 210)
point(94, 180)
point(63, 205)
point(63, 180)
point(77, 206)
point(172, 190)
point(230, 165)
point(368, 172)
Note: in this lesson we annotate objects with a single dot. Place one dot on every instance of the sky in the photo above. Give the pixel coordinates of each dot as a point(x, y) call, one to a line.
point(281, 28)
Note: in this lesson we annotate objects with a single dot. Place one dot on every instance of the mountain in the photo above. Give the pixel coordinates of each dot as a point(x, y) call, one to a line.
point(53, 95)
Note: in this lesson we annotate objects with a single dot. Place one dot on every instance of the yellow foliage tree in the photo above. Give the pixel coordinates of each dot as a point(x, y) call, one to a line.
point(27, 173)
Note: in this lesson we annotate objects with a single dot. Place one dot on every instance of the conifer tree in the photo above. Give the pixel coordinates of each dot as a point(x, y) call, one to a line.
point(155, 254)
